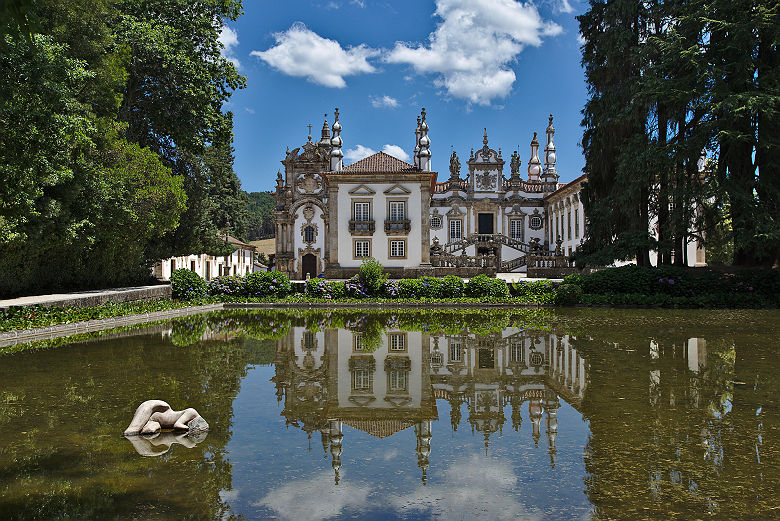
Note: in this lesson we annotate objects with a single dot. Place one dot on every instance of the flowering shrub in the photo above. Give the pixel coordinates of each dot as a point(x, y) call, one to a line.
point(232, 285)
point(320, 288)
point(186, 284)
point(266, 284)
point(540, 291)
point(484, 286)
point(452, 287)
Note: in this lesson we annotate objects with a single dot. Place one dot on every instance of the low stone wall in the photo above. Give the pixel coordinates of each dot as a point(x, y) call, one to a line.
point(83, 299)
point(550, 273)
point(9, 338)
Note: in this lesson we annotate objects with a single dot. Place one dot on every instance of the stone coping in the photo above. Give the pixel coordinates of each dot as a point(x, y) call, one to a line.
point(23, 336)
point(96, 297)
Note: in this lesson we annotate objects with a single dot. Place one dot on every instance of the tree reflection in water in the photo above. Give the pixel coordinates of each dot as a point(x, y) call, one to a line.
point(680, 412)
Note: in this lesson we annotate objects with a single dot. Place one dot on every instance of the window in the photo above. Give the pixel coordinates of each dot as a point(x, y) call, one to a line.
point(456, 230)
point(362, 211)
point(362, 249)
point(398, 381)
point(397, 210)
point(456, 351)
point(361, 380)
point(192, 265)
point(398, 249)
point(309, 340)
point(397, 342)
point(435, 221)
point(516, 229)
point(308, 234)
point(357, 343)
point(173, 265)
point(568, 225)
point(536, 222)
point(436, 359)
point(557, 228)
point(576, 223)
point(516, 351)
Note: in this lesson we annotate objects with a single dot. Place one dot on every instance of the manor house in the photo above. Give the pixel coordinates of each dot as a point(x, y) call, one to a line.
point(330, 217)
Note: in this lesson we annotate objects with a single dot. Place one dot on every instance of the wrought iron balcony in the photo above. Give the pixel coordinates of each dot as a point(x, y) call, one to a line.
point(401, 227)
point(361, 227)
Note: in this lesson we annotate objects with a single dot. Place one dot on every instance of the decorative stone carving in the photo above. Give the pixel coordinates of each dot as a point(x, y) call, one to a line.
point(309, 183)
point(153, 415)
point(308, 213)
point(486, 180)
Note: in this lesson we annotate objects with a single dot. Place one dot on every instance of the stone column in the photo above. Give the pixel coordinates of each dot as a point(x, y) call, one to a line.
point(425, 228)
point(333, 226)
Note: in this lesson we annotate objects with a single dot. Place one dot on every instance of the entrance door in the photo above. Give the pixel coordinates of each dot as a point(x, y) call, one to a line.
point(485, 223)
point(309, 265)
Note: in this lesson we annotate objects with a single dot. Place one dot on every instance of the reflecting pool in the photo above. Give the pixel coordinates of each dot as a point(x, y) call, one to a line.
point(528, 414)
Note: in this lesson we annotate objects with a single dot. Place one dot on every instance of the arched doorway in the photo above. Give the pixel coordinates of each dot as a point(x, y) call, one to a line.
point(309, 265)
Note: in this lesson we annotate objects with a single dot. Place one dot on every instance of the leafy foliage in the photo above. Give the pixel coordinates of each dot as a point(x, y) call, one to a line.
point(186, 284)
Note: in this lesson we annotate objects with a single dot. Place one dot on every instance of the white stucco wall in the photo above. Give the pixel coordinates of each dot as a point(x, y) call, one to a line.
point(379, 212)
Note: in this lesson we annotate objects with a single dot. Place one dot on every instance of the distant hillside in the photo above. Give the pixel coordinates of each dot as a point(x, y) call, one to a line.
point(260, 224)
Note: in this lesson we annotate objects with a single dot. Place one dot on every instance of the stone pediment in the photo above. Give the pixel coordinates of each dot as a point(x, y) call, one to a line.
point(362, 190)
point(397, 190)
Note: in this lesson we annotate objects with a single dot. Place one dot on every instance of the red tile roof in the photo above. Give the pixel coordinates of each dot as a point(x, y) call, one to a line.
point(379, 163)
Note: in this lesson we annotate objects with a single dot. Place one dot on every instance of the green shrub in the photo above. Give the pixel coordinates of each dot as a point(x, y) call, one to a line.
point(232, 285)
point(538, 291)
point(568, 294)
point(320, 288)
point(372, 276)
point(574, 278)
point(186, 284)
point(452, 287)
point(410, 288)
point(484, 286)
point(431, 287)
point(266, 284)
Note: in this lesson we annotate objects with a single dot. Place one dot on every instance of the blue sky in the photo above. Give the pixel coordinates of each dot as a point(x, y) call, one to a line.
point(500, 64)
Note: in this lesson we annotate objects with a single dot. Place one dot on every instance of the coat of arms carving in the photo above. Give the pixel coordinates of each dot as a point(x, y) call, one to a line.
point(309, 183)
point(486, 181)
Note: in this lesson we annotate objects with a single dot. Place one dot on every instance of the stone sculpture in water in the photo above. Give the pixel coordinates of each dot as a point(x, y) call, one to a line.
point(153, 415)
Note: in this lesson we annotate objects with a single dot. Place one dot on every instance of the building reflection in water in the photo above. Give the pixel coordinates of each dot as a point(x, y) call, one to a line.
point(328, 379)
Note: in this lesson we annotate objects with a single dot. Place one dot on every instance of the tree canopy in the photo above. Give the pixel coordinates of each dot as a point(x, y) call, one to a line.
point(115, 149)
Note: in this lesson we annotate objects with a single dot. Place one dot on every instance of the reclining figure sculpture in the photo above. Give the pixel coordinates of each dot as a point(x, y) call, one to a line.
point(153, 415)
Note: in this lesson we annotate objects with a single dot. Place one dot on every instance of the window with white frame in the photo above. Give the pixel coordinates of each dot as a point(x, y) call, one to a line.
point(362, 248)
point(456, 229)
point(516, 351)
point(516, 229)
point(397, 342)
point(398, 249)
point(397, 210)
point(535, 222)
point(557, 227)
point(435, 221)
point(456, 351)
point(398, 380)
point(361, 380)
point(362, 211)
point(357, 342)
point(568, 225)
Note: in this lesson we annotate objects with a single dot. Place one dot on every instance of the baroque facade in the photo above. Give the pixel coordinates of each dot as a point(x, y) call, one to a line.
point(331, 217)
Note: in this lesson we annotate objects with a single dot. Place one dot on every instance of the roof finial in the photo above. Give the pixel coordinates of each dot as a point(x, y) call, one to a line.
point(484, 138)
point(309, 125)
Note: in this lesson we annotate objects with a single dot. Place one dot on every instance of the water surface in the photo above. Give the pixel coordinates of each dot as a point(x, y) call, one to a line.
point(587, 414)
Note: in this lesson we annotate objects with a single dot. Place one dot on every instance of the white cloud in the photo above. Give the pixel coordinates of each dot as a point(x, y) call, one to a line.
point(301, 52)
point(310, 499)
point(472, 48)
point(358, 153)
point(563, 6)
point(396, 151)
point(359, 3)
point(470, 488)
point(385, 101)
point(229, 39)
point(250, 110)
point(580, 39)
